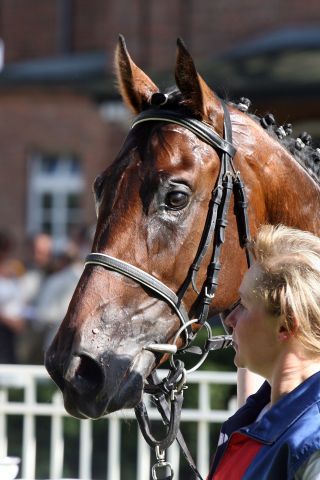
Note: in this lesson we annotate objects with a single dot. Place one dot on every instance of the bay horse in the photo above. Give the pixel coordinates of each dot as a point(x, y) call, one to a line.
point(152, 206)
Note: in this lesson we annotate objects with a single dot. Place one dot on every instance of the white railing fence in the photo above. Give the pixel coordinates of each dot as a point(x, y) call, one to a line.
point(26, 380)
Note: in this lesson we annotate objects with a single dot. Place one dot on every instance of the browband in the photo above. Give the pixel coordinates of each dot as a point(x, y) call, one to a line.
point(199, 128)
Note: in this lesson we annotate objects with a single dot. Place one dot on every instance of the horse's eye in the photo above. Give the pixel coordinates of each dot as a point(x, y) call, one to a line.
point(176, 200)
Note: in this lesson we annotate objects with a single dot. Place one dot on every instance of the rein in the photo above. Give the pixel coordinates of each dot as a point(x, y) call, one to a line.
point(170, 390)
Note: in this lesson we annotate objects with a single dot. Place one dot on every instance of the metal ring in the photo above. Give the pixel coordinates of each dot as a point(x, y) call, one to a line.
point(204, 356)
point(182, 328)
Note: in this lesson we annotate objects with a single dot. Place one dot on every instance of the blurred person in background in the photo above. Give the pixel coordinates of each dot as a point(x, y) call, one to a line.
point(57, 291)
point(49, 289)
point(12, 323)
point(39, 267)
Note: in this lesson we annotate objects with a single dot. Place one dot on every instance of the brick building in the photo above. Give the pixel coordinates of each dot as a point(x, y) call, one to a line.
point(61, 121)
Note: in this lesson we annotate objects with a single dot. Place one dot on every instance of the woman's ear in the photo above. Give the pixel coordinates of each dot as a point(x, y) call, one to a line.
point(283, 333)
point(287, 331)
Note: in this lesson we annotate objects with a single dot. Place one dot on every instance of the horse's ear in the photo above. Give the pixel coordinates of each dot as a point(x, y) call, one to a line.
point(135, 86)
point(197, 94)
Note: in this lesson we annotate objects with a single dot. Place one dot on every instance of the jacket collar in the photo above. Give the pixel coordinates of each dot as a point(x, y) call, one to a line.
point(249, 411)
point(285, 412)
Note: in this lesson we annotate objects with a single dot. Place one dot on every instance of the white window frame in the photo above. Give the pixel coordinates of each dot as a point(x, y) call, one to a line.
point(60, 183)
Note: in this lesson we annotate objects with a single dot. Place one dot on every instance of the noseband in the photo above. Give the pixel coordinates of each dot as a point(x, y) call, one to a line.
point(171, 387)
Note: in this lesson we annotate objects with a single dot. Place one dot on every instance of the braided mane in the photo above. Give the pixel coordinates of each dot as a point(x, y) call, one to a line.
point(300, 148)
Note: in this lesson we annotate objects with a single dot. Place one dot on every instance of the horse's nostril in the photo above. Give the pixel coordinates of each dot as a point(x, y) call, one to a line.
point(90, 371)
point(84, 374)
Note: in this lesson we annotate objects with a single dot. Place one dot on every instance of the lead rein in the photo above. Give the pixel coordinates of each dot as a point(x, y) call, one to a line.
point(167, 392)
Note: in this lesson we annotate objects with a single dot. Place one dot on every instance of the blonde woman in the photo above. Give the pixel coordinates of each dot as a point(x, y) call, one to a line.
point(276, 332)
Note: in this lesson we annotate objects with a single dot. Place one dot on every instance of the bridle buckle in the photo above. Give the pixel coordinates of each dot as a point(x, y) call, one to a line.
point(209, 295)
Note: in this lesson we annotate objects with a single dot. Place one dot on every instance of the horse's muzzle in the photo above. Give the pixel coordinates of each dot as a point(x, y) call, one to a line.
point(93, 387)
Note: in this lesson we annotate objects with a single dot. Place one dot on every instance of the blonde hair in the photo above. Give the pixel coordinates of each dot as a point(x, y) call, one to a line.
point(289, 280)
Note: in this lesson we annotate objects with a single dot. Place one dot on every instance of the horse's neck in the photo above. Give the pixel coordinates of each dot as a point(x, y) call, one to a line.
point(292, 196)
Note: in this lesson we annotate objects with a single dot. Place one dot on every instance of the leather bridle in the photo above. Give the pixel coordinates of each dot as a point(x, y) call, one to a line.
point(228, 182)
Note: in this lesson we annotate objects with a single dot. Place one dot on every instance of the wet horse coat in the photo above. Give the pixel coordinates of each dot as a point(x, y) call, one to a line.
point(152, 206)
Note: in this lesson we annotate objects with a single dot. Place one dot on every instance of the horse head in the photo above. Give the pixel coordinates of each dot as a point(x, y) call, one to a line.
point(152, 206)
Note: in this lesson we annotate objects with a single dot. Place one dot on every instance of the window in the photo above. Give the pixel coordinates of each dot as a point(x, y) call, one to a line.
point(56, 186)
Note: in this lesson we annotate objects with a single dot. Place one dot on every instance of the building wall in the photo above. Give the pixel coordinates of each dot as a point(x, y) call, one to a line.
point(28, 32)
point(54, 119)
point(207, 26)
point(33, 28)
point(34, 121)
point(90, 24)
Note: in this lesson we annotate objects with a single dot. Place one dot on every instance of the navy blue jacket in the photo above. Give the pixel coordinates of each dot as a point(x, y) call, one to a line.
point(275, 446)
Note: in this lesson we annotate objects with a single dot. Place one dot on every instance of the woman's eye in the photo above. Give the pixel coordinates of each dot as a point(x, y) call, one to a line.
point(176, 200)
point(228, 311)
point(239, 305)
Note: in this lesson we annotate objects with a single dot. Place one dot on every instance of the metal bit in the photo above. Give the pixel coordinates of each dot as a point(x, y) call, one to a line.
point(161, 348)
